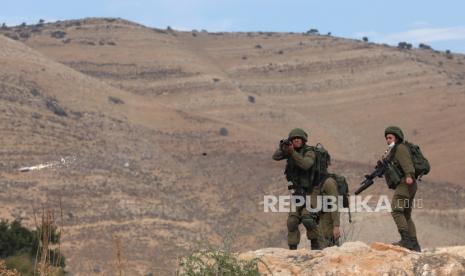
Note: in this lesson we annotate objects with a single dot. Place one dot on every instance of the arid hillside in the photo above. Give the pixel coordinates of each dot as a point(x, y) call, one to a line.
point(161, 137)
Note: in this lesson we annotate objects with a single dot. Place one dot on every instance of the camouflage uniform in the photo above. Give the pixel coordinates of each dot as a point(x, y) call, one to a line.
point(404, 194)
point(329, 220)
point(298, 165)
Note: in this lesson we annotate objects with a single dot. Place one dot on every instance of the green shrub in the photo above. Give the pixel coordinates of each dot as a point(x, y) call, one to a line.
point(20, 247)
point(211, 261)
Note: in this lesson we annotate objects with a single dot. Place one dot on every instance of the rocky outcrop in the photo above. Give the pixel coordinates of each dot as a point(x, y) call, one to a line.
point(357, 258)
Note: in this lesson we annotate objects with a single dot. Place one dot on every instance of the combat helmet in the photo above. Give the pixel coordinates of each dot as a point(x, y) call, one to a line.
point(396, 131)
point(298, 133)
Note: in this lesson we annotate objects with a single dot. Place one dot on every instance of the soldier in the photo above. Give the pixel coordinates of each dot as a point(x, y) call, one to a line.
point(300, 159)
point(404, 194)
point(329, 221)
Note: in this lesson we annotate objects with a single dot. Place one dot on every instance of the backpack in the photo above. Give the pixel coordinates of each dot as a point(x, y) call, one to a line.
point(342, 188)
point(319, 170)
point(420, 163)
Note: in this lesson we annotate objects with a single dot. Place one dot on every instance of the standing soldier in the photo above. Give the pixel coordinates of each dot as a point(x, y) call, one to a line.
point(404, 194)
point(300, 168)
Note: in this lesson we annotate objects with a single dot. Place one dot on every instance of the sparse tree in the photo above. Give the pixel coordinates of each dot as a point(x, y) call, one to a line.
point(404, 45)
point(365, 39)
point(313, 31)
point(424, 46)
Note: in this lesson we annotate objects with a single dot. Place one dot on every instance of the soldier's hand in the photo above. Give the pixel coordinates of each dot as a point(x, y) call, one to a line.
point(336, 232)
point(409, 180)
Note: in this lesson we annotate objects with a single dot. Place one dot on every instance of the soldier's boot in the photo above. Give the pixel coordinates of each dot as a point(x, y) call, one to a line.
point(315, 244)
point(405, 240)
point(416, 245)
point(292, 246)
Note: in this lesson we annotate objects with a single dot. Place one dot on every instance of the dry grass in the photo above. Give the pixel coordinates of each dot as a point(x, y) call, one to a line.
point(48, 256)
point(4, 271)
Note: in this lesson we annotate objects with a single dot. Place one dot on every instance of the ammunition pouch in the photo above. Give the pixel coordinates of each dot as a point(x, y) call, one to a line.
point(393, 175)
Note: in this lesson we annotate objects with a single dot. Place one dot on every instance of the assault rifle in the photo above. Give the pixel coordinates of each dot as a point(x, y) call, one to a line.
point(284, 142)
point(380, 168)
point(298, 190)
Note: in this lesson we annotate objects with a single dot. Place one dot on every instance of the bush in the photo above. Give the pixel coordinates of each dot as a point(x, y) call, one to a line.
point(224, 131)
point(35, 92)
point(115, 100)
point(12, 36)
point(313, 31)
point(424, 46)
point(53, 106)
point(365, 39)
point(258, 46)
point(251, 99)
point(58, 34)
point(212, 261)
point(16, 239)
point(22, 263)
point(24, 35)
point(21, 246)
point(4, 26)
point(404, 45)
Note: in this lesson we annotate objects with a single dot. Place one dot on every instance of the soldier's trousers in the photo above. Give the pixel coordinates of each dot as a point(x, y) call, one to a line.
point(402, 204)
point(302, 215)
point(326, 228)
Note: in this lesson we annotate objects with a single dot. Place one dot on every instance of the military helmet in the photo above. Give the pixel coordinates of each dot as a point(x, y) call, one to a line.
point(396, 131)
point(298, 133)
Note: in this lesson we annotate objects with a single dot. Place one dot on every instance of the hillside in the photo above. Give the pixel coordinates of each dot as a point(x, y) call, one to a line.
point(136, 113)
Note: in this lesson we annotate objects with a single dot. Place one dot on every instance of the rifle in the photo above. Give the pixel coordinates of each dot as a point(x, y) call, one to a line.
point(284, 143)
point(380, 168)
point(298, 190)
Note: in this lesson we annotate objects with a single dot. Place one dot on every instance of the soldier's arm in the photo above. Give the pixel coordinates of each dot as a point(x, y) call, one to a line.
point(279, 155)
point(304, 161)
point(405, 160)
point(330, 188)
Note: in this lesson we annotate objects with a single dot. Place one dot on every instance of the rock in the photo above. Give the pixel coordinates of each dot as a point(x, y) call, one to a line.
point(357, 258)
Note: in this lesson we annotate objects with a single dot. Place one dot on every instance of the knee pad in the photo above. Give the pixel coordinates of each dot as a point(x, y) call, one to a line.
point(309, 222)
point(292, 223)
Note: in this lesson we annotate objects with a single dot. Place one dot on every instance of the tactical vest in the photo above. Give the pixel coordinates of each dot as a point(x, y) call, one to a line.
point(295, 174)
point(394, 173)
